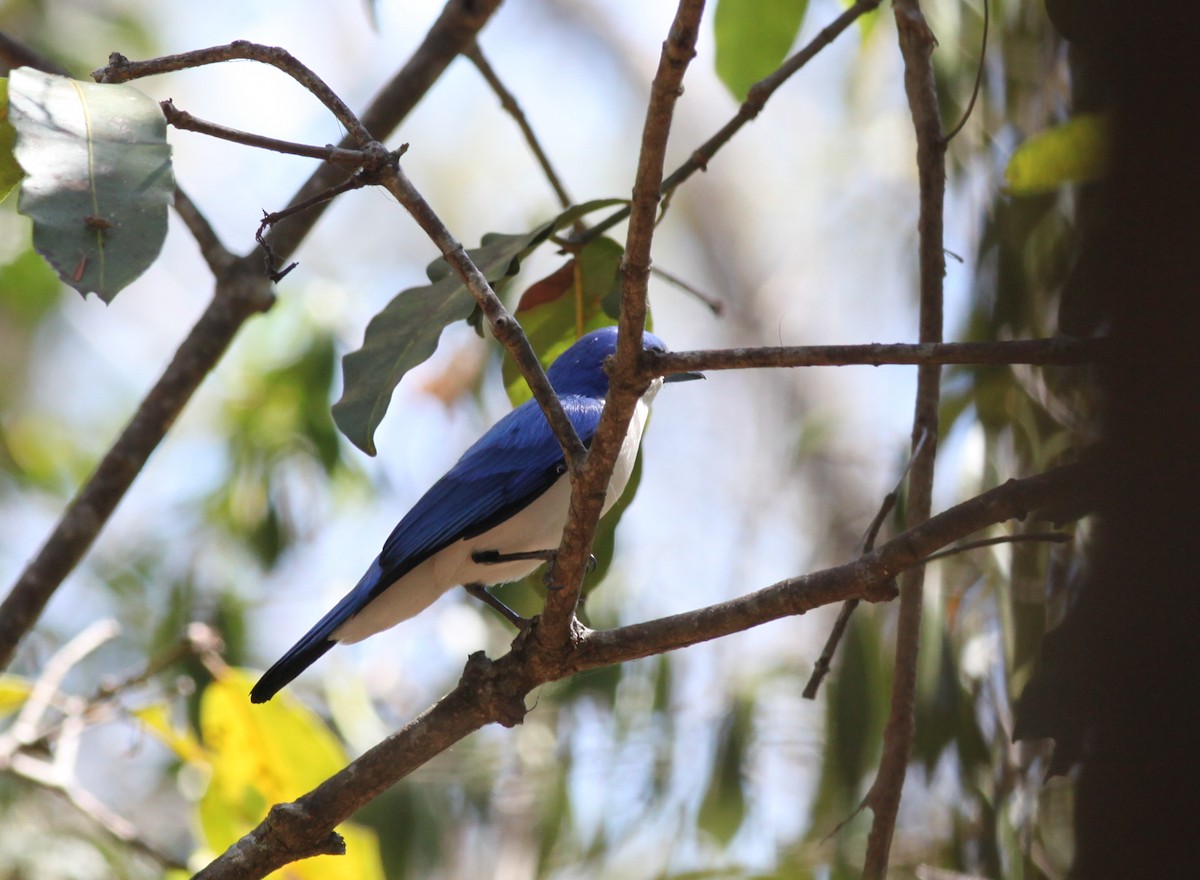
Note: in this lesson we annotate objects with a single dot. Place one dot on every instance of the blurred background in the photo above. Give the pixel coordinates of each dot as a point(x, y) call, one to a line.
point(255, 516)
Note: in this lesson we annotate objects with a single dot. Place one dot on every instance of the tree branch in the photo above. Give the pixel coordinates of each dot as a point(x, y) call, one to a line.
point(626, 383)
point(511, 106)
point(185, 121)
point(495, 691)
point(120, 69)
point(1055, 350)
point(916, 47)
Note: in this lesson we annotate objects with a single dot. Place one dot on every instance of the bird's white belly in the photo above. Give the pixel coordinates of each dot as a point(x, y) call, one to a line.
point(539, 526)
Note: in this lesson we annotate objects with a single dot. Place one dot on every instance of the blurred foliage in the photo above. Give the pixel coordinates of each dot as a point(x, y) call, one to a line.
point(1074, 152)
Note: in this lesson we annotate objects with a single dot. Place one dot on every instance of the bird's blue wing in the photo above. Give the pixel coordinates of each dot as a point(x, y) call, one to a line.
point(517, 460)
point(506, 469)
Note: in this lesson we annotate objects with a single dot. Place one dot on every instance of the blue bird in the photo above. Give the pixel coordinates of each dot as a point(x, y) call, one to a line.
point(494, 517)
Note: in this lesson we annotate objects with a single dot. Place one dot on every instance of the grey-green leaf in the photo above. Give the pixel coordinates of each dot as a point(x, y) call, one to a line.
point(99, 177)
point(406, 332)
point(753, 38)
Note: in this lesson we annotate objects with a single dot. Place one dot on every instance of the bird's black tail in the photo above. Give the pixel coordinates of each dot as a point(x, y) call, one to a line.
point(303, 654)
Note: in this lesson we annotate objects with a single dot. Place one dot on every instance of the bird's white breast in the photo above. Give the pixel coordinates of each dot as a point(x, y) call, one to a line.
point(539, 526)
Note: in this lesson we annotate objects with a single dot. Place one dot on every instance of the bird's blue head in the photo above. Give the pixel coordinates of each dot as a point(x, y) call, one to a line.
point(580, 369)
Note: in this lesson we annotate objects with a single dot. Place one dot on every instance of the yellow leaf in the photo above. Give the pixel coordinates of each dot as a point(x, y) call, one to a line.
point(1075, 152)
point(266, 754)
point(14, 691)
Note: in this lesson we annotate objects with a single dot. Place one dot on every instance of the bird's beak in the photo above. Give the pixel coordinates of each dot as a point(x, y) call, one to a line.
point(682, 377)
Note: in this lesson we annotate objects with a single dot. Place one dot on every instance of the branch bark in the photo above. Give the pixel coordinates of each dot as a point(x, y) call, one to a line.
point(916, 46)
point(626, 383)
point(1056, 350)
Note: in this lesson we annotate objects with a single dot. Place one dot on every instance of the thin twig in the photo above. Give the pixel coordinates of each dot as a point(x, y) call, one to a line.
point(27, 726)
point(59, 773)
point(455, 29)
point(974, 90)
point(120, 69)
point(509, 102)
point(271, 260)
point(916, 47)
point(1042, 537)
point(825, 660)
point(714, 305)
point(185, 121)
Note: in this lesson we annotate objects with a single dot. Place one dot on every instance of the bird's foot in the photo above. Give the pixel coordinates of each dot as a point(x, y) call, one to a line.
point(479, 591)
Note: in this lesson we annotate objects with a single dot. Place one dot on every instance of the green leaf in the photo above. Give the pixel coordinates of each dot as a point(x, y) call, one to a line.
point(1075, 152)
point(10, 170)
point(753, 38)
point(406, 332)
point(99, 177)
point(560, 308)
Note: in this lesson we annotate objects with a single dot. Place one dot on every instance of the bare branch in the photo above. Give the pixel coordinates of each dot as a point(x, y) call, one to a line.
point(120, 69)
point(978, 82)
point(916, 47)
point(509, 102)
point(1055, 350)
point(626, 384)
point(240, 294)
point(185, 121)
point(219, 259)
point(822, 666)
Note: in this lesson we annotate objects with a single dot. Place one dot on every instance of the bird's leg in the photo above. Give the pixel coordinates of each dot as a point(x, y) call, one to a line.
point(479, 591)
point(495, 557)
